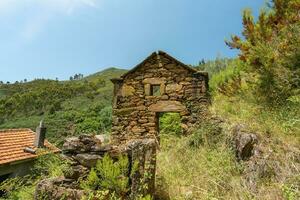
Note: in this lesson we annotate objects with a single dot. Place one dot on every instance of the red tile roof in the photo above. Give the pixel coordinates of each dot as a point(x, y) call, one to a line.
point(13, 142)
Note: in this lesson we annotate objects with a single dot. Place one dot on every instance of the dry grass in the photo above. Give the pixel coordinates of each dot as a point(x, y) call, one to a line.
point(201, 173)
point(211, 172)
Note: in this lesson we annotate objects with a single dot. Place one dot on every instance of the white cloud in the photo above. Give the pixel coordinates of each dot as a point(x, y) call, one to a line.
point(54, 5)
point(67, 6)
point(35, 22)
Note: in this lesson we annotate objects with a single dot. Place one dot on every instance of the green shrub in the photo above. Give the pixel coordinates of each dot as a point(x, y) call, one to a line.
point(50, 165)
point(271, 49)
point(114, 175)
point(109, 175)
point(228, 80)
point(47, 166)
point(16, 188)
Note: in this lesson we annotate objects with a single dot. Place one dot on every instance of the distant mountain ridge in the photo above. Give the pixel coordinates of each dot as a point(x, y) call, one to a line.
point(108, 72)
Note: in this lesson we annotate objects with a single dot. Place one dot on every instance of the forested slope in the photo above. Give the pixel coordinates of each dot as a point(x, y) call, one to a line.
point(67, 107)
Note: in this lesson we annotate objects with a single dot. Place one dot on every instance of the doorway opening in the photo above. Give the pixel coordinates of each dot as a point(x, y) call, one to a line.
point(169, 123)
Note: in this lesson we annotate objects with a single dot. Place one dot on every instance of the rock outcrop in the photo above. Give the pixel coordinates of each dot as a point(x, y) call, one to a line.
point(244, 142)
point(257, 164)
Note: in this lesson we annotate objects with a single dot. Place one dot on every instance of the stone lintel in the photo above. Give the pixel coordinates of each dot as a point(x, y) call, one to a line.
point(154, 81)
point(167, 106)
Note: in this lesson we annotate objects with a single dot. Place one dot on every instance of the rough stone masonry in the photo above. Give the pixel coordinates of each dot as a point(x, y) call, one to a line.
point(157, 85)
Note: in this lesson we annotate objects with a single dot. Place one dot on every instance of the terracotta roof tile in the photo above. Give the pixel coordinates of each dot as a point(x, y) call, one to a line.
point(13, 142)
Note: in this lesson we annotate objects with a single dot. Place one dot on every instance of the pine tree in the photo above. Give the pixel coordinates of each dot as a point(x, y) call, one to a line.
point(271, 49)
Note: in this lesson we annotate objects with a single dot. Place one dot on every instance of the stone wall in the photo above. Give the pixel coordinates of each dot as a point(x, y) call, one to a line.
point(159, 84)
point(85, 151)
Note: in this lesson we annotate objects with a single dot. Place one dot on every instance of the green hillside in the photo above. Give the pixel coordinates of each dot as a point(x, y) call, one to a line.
point(2, 93)
point(67, 107)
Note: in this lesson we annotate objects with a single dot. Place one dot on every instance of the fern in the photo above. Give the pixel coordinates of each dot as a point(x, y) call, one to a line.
point(109, 175)
point(92, 181)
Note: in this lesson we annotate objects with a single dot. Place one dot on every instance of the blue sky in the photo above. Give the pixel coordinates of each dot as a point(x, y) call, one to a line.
point(58, 38)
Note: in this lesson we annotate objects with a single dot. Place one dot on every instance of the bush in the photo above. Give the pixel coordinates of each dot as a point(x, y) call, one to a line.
point(109, 175)
point(228, 80)
point(271, 50)
point(47, 166)
point(50, 166)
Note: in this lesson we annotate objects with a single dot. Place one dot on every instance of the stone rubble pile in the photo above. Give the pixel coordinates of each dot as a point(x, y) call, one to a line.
point(85, 151)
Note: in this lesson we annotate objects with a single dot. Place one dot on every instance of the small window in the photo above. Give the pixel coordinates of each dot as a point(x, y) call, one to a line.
point(155, 90)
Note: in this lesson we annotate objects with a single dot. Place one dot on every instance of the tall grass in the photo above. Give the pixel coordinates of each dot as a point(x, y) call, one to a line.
point(281, 122)
point(203, 166)
point(197, 173)
point(278, 130)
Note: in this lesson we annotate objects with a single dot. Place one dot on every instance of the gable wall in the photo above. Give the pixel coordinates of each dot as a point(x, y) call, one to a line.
point(135, 110)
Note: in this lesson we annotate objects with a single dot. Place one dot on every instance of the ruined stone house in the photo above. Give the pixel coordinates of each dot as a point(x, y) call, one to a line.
point(157, 85)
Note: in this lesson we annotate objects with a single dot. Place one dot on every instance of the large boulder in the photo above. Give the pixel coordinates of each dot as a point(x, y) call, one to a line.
point(101, 148)
point(87, 139)
point(86, 143)
point(88, 160)
point(102, 138)
point(72, 145)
